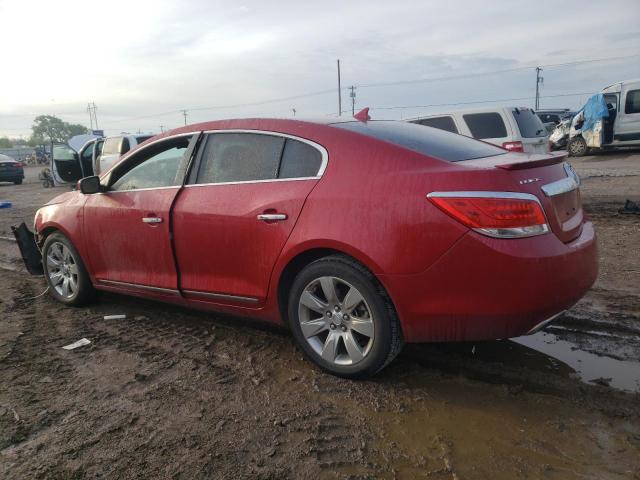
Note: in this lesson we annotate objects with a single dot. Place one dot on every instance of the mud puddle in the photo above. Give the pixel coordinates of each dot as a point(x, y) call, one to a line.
point(589, 367)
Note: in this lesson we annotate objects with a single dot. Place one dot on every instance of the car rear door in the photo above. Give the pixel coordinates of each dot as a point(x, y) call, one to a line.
point(127, 228)
point(233, 219)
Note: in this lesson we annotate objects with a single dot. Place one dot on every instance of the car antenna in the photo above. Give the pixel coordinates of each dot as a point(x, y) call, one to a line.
point(363, 115)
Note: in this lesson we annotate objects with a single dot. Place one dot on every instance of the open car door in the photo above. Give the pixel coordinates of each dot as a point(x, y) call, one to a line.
point(65, 165)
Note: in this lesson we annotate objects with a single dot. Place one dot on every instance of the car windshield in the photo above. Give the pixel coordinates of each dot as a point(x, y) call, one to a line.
point(428, 141)
point(529, 123)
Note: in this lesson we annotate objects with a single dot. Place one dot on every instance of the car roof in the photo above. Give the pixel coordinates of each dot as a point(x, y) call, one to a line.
point(6, 158)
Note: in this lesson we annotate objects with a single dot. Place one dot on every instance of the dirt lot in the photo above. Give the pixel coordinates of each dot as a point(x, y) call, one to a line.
point(171, 393)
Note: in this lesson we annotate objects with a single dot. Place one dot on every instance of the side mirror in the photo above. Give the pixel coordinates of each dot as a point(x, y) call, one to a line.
point(89, 185)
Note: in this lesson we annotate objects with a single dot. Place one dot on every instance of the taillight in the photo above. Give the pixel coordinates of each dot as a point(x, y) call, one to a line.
point(18, 164)
point(513, 146)
point(496, 214)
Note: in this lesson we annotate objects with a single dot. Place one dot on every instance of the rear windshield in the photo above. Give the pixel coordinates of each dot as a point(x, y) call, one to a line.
point(529, 123)
point(143, 138)
point(425, 140)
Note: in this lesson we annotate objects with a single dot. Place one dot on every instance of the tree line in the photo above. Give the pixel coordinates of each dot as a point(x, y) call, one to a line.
point(46, 129)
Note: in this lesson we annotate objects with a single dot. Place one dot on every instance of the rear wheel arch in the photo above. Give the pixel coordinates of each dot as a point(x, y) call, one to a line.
point(296, 264)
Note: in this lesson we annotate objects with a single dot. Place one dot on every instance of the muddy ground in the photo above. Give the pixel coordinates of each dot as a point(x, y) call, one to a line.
point(172, 393)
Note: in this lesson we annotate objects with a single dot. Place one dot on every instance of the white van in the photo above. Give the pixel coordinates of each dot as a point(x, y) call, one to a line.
point(620, 129)
point(517, 129)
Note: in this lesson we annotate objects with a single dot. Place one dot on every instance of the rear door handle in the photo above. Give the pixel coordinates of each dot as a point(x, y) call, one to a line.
point(152, 219)
point(272, 217)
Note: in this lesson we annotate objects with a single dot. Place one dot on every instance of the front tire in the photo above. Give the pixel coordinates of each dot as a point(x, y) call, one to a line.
point(577, 147)
point(342, 319)
point(68, 280)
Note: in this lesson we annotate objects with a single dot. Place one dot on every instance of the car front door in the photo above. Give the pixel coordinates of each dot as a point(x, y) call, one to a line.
point(127, 228)
point(233, 219)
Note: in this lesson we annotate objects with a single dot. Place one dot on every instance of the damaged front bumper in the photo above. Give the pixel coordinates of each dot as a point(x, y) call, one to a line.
point(28, 249)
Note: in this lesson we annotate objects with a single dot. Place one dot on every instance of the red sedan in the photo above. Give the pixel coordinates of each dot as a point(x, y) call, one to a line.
point(357, 235)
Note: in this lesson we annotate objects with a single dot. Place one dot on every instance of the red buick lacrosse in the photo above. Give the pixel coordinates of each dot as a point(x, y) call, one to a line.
point(359, 235)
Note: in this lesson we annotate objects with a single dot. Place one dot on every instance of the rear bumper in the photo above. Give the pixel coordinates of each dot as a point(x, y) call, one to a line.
point(485, 288)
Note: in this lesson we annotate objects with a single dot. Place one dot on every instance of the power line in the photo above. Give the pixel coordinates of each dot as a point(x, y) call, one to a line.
point(401, 107)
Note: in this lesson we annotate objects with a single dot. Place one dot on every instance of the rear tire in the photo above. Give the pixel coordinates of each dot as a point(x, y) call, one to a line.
point(342, 319)
point(18, 181)
point(68, 280)
point(577, 147)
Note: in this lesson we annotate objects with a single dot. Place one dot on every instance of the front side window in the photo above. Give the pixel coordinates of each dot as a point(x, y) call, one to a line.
point(156, 166)
point(485, 125)
point(240, 157)
point(443, 123)
point(632, 104)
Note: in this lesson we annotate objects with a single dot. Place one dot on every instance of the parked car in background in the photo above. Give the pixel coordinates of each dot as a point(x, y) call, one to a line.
point(517, 129)
point(11, 170)
point(358, 235)
point(620, 127)
point(116, 146)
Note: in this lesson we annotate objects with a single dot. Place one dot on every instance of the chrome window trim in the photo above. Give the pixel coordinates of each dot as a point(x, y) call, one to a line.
point(323, 152)
point(220, 296)
point(140, 189)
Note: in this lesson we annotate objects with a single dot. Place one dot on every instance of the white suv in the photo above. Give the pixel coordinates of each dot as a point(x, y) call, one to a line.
point(517, 129)
point(116, 146)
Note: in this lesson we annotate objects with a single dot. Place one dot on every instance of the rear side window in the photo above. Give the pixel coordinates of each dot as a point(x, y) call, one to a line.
point(126, 145)
point(299, 160)
point(143, 138)
point(485, 125)
point(632, 103)
point(240, 157)
point(427, 141)
point(443, 123)
point(529, 123)
point(111, 146)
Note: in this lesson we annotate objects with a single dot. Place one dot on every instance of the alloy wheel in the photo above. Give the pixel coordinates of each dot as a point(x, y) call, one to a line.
point(62, 270)
point(336, 321)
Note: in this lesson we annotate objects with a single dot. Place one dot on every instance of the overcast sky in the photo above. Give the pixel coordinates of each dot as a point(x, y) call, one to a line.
point(141, 62)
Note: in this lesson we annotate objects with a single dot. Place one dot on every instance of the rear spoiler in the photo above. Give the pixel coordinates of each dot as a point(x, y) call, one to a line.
point(517, 161)
point(528, 162)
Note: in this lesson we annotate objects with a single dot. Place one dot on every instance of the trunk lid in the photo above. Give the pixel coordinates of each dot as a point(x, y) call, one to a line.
point(551, 180)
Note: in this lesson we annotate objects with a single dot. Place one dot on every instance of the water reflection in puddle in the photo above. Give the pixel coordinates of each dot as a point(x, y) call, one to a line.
point(623, 375)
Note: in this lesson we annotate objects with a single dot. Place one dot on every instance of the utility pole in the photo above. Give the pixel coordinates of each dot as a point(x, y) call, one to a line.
point(294, 111)
point(353, 99)
point(184, 113)
point(339, 91)
point(93, 116)
point(161, 128)
point(539, 81)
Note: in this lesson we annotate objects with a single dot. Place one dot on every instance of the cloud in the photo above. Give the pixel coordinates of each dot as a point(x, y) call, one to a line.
point(141, 62)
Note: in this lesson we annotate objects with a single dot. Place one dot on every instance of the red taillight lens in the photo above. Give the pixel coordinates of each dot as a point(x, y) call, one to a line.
point(513, 146)
point(506, 215)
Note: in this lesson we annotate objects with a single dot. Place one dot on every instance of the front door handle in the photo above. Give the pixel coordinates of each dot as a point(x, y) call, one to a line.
point(272, 217)
point(152, 220)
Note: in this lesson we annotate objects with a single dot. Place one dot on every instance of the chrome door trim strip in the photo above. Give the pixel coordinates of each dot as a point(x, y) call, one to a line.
point(221, 296)
point(117, 283)
point(297, 179)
